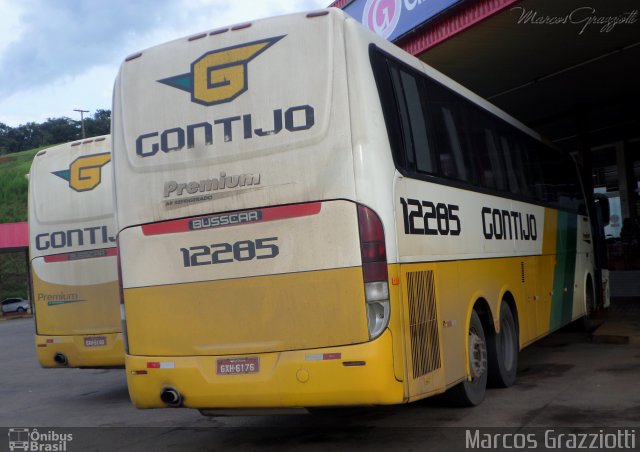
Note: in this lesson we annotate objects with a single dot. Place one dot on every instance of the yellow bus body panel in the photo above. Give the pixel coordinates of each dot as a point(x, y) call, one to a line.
point(286, 379)
point(76, 309)
point(259, 314)
point(78, 353)
point(73, 314)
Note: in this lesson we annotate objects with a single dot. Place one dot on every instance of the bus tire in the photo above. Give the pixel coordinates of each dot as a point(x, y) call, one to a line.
point(593, 318)
point(503, 350)
point(470, 392)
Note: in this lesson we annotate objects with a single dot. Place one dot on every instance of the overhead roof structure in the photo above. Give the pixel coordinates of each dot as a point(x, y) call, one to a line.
point(565, 68)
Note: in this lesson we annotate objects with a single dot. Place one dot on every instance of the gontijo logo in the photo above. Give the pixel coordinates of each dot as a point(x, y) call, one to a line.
point(220, 75)
point(85, 173)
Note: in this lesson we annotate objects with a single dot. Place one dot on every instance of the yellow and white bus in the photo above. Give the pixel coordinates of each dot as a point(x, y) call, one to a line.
point(72, 249)
point(308, 216)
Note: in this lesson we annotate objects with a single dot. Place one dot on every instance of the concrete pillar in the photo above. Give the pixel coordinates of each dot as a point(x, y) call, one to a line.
point(623, 181)
point(584, 157)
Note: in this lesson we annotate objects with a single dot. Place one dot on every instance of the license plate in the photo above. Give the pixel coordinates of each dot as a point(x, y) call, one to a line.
point(238, 366)
point(95, 341)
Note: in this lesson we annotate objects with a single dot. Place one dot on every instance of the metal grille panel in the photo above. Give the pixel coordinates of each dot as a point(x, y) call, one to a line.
point(425, 343)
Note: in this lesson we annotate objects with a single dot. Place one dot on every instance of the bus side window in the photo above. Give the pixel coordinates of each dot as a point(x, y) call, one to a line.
point(491, 172)
point(409, 94)
point(424, 161)
point(483, 148)
point(515, 172)
point(532, 166)
point(452, 156)
point(448, 133)
point(404, 120)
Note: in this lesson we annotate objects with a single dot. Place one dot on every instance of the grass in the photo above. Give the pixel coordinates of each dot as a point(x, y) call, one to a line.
point(14, 186)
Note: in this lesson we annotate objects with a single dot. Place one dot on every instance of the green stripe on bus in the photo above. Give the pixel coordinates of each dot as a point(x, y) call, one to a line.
point(562, 299)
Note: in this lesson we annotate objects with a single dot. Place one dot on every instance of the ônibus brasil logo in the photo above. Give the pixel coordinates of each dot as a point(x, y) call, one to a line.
point(29, 439)
point(220, 76)
point(382, 16)
point(85, 173)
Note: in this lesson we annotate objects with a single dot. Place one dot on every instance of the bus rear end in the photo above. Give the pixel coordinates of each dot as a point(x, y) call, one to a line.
point(251, 276)
point(73, 256)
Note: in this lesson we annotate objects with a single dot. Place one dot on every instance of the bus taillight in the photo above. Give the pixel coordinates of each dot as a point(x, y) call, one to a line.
point(374, 269)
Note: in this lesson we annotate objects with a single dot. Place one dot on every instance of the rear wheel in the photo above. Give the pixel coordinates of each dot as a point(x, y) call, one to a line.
point(593, 318)
point(503, 350)
point(21, 310)
point(472, 390)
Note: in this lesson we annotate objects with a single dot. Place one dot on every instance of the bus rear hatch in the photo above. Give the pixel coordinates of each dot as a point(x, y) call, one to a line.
point(252, 281)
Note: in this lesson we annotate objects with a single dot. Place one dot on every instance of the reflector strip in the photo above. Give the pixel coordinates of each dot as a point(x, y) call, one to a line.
point(322, 356)
point(78, 255)
point(266, 214)
point(161, 365)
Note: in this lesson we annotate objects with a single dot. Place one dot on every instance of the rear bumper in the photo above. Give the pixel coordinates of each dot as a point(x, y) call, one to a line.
point(334, 376)
point(79, 352)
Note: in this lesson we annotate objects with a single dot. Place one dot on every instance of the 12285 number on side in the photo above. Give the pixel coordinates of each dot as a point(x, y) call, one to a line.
point(222, 253)
point(428, 218)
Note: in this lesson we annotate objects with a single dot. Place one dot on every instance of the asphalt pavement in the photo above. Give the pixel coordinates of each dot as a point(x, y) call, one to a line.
point(565, 381)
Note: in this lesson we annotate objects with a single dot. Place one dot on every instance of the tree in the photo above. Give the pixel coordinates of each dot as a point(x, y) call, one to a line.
point(100, 124)
point(52, 131)
point(59, 130)
point(27, 136)
point(6, 144)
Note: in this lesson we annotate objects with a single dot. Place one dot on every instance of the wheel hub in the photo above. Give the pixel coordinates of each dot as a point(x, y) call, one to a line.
point(477, 355)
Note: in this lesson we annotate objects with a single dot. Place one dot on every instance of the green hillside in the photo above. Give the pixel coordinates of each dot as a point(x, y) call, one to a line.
point(14, 185)
point(13, 208)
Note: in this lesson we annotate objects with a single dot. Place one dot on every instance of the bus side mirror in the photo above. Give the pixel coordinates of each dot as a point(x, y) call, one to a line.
point(602, 208)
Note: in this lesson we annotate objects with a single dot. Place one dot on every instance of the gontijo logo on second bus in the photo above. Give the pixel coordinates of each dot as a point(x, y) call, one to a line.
point(220, 75)
point(85, 173)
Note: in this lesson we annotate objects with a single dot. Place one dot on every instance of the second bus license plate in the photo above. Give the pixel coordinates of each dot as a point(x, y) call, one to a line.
point(236, 366)
point(95, 341)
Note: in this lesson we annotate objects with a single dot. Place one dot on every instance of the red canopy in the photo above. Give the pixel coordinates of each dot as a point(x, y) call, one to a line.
point(14, 236)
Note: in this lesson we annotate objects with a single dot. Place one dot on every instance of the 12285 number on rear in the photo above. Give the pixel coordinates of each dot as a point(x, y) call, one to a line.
point(222, 253)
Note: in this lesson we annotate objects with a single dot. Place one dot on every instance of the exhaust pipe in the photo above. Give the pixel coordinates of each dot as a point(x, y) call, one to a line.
point(61, 359)
point(171, 397)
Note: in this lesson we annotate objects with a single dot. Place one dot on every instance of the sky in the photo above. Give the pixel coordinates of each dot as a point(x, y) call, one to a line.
point(60, 55)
